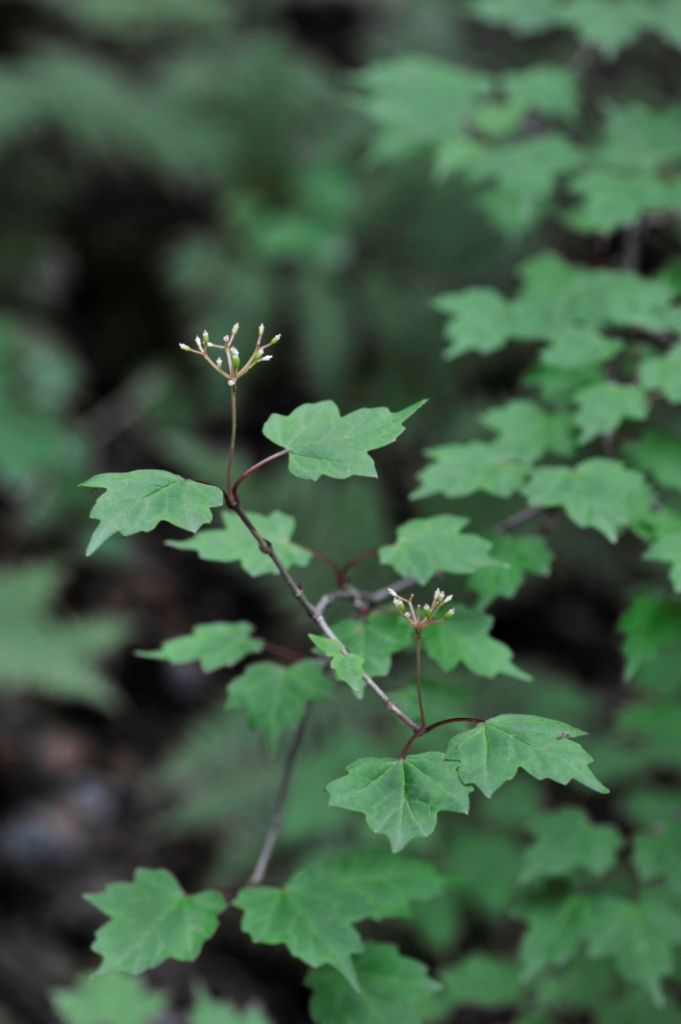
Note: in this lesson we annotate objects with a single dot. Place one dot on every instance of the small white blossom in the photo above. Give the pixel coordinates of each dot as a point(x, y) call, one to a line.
point(218, 361)
point(266, 359)
point(185, 348)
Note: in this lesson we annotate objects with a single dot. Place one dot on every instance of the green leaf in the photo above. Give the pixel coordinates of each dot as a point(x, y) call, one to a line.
point(53, 656)
point(657, 855)
point(466, 640)
point(657, 454)
point(556, 932)
point(566, 840)
point(436, 544)
point(321, 442)
point(376, 637)
point(306, 922)
point(522, 554)
point(232, 542)
point(650, 625)
point(663, 374)
point(206, 1009)
point(415, 101)
point(602, 408)
point(400, 798)
point(314, 912)
point(109, 999)
point(491, 754)
point(479, 321)
point(667, 545)
point(457, 470)
point(640, 936)
point(571, 347)
point(274, 698)
point(391, 987)
point(213, 644)
point(347, 666)
point(545, 89)
point(526, 431)
point(152, 919)
point(138, 501)
point(478, 980)
point(599, 493)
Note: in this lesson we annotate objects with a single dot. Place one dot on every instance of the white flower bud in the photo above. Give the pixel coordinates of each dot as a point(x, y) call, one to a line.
point(185, 348)
point(449, 613)
point(197, 342)
point(235, 329)
point(266, 359)
point(218, 361)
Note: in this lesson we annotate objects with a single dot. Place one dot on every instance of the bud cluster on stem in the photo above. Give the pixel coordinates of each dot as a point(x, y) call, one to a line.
point(420, 616)
point(228, 363)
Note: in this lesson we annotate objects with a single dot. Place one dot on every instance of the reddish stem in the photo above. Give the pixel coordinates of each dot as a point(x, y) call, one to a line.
point(285, 653)
point(333, 566)
point(255, 467)
point(435, 725)
point(364, 556)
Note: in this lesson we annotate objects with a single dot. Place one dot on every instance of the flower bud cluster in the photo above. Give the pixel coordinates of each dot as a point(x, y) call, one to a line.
point(228, 363)
point(421, 616)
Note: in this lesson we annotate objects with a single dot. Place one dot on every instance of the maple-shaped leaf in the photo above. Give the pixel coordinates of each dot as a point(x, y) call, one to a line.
point(213, 644)
point(274, 697)
point(602, 408)
point(152, 919)
point(321, 442)
point(348, 667)
point(138, 501)
point(657, 454)
point(401, 798)
point(556, 932)
point(54, 656)
point(650, 625)
point(480, 321)
point(376, 637)
point(657, 855)
point(456, 470)
point(310, 921)
point(527, 431)
point(478, 979)
point(232, 542)
point(600, 493)
point(545, 89)
point(434, 544)
point(574, 346)
point(640, 936)
point(374, 884)
point(666, 546)
point(663, 374)
point(520, 555)
point(109, 999)
point(492, 753)
point(566, 840)
point(207, 1009)
point(466, 640)
point(313, 914)
point(391, 986)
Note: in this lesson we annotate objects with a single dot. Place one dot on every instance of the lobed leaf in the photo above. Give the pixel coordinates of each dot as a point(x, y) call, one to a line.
point(233, 542)
point(138, 501)
point(566, 840)
point(348, 667)
point(400, 798)
point(390, 987)
point(599, 493)
point(434, 544)
point(274, 697)
point(109, 999)
point(213, 644)
point(152, 919)
point(522, 555)
point(321, 442)
point(492, 753)
point(466, 640)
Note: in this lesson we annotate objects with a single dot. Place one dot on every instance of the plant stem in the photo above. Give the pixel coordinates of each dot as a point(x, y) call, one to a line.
point(364, 556)
point(254, 468)
point(435, 725)
point(264, 857)
point(310, 610)
point(419, 688)
point(232, 440)
point(518, 518)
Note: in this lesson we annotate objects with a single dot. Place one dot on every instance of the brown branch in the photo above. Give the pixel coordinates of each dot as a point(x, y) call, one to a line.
point(364, 556)
point(435, 725)
point(312, 612)
point(524, 515)
point(264, 857)
point(255, 467)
